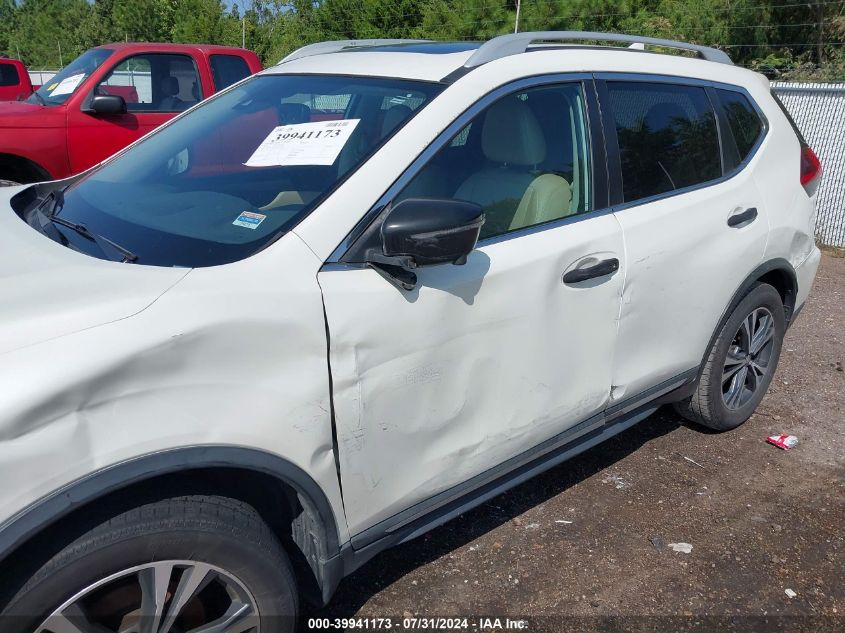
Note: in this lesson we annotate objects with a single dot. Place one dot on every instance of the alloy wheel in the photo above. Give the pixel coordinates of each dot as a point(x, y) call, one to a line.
point(160, 597)
point(747, 363)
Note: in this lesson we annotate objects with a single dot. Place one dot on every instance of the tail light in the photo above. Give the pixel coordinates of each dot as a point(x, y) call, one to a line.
point(811, 170)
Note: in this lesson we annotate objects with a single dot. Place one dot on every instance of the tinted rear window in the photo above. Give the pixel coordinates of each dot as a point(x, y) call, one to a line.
point(228, 70)
point(743, 120)
point(667, 136)
point(9, 75)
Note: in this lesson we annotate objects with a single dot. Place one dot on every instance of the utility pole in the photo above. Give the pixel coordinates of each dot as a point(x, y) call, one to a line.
point(820, 33)
point(61, 61)
point(516, 22)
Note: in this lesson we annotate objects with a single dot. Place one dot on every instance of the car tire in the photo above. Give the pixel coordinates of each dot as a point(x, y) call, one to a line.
point(739, 368)
point(200, 559)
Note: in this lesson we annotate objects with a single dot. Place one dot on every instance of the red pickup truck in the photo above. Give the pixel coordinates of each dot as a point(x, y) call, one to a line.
point(14, 80)
point(107, 98)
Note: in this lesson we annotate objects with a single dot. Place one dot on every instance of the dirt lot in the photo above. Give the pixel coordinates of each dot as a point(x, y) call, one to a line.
point(591, 537)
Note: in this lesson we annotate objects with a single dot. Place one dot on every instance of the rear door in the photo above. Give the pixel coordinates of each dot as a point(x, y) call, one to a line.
point(438, 387)
point(155, 86)
point(692, 218)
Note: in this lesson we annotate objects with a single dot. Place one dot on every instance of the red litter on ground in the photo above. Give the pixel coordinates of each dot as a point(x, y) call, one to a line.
point(783, 441)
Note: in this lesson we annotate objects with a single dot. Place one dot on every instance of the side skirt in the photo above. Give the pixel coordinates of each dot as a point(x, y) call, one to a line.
point(433, 512)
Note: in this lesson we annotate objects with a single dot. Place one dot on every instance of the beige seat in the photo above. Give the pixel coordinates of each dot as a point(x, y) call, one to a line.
point(547, 198)
point(511, 192)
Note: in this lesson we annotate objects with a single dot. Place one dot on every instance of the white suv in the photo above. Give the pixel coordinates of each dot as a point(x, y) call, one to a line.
point(353, 296)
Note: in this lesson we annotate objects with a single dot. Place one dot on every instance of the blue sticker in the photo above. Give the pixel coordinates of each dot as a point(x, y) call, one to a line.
point(249, 220)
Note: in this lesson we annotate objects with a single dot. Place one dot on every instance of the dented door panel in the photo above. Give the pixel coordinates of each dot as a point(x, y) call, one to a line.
point(684, 265)
point(476, 365)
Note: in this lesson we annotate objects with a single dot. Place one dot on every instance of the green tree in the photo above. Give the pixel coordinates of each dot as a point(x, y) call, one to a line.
point(198, 21)
point(48, 32)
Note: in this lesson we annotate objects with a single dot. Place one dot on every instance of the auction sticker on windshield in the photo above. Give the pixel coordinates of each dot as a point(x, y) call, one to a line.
point(67, 85)
point(317, 143)
point(249, 220)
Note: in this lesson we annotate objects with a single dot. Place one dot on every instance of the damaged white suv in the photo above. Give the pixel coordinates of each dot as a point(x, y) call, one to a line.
point(353, 296)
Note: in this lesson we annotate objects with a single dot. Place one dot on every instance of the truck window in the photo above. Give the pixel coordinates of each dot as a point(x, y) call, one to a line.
point(228, 70)
point(153, 82)
point(9, 75)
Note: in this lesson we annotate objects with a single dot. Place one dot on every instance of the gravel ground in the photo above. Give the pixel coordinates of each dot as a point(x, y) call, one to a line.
point(587, 545)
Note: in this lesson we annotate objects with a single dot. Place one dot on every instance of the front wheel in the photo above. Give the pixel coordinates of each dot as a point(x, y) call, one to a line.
point(178, 565)
point(741, 362)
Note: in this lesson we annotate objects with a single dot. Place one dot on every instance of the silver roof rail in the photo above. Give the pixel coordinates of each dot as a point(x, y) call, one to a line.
point(321, 48)
point(515, 43)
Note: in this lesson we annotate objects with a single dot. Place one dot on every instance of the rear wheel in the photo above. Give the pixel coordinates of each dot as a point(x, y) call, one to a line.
point(741, 363)
point(179, 565)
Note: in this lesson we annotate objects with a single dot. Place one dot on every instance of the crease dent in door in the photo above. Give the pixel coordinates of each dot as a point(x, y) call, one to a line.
point(480, 363)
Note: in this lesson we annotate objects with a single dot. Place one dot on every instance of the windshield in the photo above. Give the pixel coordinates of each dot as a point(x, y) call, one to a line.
point(64, 84)
point(220, 183)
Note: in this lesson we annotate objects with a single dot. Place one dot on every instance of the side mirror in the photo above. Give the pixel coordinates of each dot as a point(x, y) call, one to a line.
point(107, 104)
point(429, 231)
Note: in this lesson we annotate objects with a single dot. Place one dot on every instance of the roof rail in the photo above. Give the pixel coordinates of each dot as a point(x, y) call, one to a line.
point(321, 48)
point(515, 43)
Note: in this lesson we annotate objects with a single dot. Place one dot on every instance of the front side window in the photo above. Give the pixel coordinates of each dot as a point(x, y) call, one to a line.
point(667, 137)
point(67, 81)
point(153, 83)
point(228, 69)
point(222, 182)
point(746, 126)
point(9, 75)
point(524, 160)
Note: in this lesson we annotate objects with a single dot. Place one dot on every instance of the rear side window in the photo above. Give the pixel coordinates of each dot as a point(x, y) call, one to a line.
point(9, 75)
point(228, 70)
point(667, 136)
point(746, 125)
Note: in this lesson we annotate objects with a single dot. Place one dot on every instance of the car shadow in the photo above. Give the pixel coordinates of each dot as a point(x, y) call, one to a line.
point(391, 565)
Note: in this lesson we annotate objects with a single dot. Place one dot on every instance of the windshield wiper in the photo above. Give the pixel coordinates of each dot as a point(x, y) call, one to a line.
point(99, 240)
point(58, 201)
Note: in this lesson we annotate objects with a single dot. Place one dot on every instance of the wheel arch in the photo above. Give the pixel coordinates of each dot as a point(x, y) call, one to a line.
point(291, 502)
point(22, 170)
point(776, 272)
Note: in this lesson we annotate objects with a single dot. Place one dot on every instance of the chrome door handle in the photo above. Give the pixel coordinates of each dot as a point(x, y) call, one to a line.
point(749, 215)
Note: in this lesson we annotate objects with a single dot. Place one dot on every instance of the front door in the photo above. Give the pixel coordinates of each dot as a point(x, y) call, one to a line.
point(480, 362)
point(155, 86)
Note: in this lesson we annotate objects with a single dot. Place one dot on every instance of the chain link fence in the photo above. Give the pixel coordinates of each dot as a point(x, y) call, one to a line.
point(819, 112)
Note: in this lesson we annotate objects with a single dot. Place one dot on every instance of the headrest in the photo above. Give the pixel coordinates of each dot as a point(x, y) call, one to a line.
point(512, 134)
point(393, 118)
point(170, 86)
point(663, 115)
point(290, 113)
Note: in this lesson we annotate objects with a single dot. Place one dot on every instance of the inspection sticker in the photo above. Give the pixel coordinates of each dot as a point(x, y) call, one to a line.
point(249, 220)
point(67, 85)
point(316, 143)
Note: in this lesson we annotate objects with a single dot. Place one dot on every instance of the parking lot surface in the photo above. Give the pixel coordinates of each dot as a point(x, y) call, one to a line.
point(593, 537)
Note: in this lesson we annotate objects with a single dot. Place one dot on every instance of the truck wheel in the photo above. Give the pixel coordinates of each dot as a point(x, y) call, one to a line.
point(741, 363)
point(8, 183)
point(193, 563)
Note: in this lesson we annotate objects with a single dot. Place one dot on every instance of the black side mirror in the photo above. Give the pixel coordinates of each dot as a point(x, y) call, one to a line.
point(430, 231)
point(107, 104)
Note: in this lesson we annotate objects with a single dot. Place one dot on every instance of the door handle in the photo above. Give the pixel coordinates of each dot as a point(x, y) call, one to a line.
point(749, 215)
point(604, 267)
